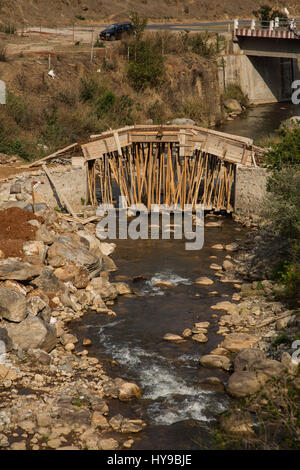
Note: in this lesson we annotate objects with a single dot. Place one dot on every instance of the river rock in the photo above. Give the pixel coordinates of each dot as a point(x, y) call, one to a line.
point(35, 251)
point(108, 444)
point(187, 333)
point(32, 333)
point(122, 288)
point(65, 251)
point(245, 383)
point(228, 265)
point(202, 324)
point(107, 248)
point(44, 235)
point(218, 246)
point(132, 426)
point(283, 323)
point(269, 367)
point(231, 247)
point(128, 391)
point(237, 422)
point(200, 338)
point(215, 361)
point(7, 373)
point(196, 331)
point(38, 307)
point(12, 269)
point(68, 338)
point(233, 106)
point(12, 305)
point(291, 365)
point(99, 421)
point(212, 383)
point(213, 224)
point(215, 267)
point(108, 264)
point(102, 287)
point(173, 337)
point(225, 305)
point(47, 282)
point(204, 281)
point(235, 342)
point(246, 358)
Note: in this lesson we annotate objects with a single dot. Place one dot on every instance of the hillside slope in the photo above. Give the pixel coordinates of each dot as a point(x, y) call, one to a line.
point(87, 11)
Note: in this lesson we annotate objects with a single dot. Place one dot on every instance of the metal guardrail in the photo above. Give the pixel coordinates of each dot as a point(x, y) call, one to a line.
point(278, 24)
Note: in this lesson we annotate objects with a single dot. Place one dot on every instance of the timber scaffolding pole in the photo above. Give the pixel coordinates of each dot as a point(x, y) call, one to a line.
point(166, 165)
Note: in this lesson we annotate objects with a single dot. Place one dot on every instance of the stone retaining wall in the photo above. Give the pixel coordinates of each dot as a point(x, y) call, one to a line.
point(250, 189)
point(71, 181)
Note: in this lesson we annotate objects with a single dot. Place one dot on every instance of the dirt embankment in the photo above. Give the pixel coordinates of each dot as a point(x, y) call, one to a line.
point(80, 11)
point(15, 230)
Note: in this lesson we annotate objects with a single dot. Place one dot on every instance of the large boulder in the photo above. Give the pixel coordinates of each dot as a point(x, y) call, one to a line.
point(103, 287)
point(246, 358)
point(38, 307)
point(233, 106)
point(65, 251)
point(12, 305)
point(32, 333)
point(268, 367)
point(241, 384)
point(13, 269)
point(214, 361)
point(35, 251)
point(235, 342)
point(47, 282)
point(128, 391)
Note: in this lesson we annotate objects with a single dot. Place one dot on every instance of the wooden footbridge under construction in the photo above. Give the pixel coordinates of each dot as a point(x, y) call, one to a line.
point(163, 165)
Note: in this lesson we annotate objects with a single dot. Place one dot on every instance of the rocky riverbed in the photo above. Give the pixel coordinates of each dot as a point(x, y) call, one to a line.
point(53, 394)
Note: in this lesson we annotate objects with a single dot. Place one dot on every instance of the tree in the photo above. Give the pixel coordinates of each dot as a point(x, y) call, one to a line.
point(139, 24)
point(146, 69)
point(286, 152)
point(266, 13)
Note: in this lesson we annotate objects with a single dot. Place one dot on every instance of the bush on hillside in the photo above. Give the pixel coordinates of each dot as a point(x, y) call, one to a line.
point(146, 66)
point(287, 151)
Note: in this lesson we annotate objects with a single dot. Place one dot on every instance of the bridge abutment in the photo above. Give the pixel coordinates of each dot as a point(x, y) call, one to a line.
point(263, 79)
point(250, 190)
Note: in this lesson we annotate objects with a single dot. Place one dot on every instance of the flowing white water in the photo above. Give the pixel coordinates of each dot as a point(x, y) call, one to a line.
point(171, 399)
point(151, 287)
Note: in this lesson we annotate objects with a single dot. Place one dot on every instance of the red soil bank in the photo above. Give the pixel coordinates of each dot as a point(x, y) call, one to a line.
point(15, 230)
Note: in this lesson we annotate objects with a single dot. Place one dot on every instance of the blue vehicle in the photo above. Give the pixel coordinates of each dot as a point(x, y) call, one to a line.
point(116, 31)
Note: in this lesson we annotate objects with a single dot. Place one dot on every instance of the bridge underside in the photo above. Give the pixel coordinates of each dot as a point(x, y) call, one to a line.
point(270, 47)
point(154, 173)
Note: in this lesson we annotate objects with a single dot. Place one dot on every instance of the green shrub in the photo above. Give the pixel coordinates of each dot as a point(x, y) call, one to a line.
point(287, 151)
point(146, 66)
point(17, 109)
point(105, 103)
point(203, 45)
point(89, 89)
point(282, 203)
point(234, 92)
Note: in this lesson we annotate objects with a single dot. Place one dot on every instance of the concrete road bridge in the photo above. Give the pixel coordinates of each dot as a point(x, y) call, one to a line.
point(265, 59)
